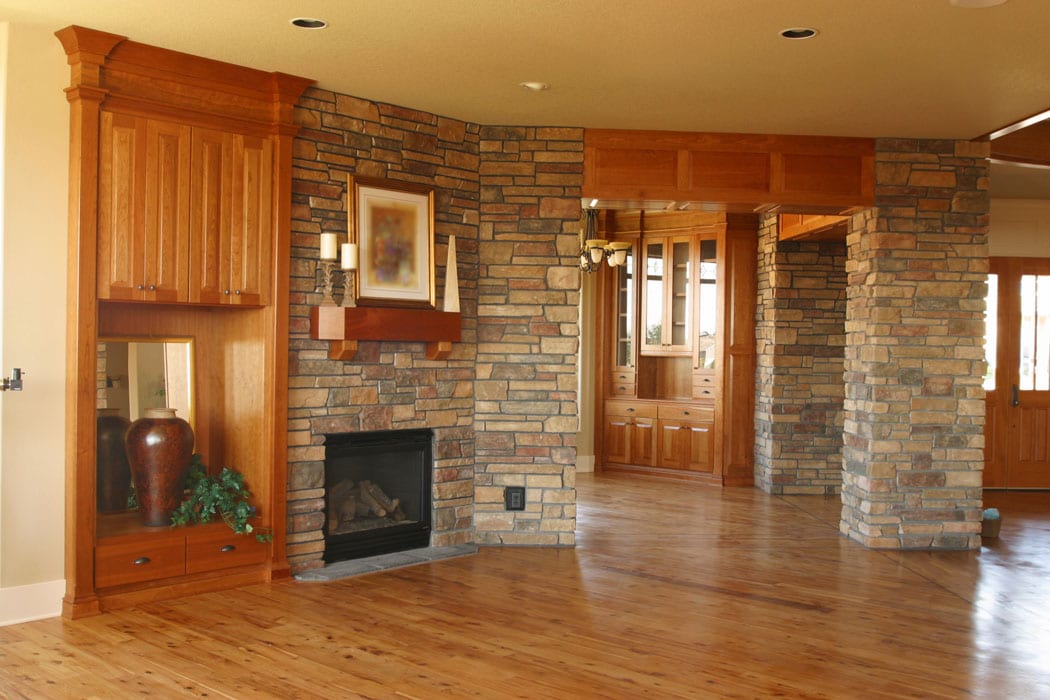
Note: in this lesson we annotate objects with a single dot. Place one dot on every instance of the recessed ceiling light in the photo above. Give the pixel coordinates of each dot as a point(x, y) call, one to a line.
point(535, 85)
point(309, 23)
point(976, 4)
point(798, 33)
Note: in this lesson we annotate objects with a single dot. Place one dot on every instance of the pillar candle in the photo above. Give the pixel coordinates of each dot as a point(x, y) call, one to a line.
point(349, 251)
point(328, 246)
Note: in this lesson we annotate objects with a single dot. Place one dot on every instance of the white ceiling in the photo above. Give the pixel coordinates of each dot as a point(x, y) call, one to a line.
point(902, 68)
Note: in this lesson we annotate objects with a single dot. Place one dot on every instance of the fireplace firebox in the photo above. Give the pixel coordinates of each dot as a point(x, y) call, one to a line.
point(377, 492)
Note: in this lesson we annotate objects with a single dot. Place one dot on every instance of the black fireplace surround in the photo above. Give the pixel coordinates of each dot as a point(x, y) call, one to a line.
point(377, 492)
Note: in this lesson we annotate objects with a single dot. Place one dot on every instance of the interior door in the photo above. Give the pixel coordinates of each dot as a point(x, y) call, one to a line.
point(1017, 429)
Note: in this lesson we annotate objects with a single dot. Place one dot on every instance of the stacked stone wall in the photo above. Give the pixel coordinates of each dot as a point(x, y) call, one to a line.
point(800, 334)
point(503, 404)
point(917, 279)
point(528, 333)
point(387, 385)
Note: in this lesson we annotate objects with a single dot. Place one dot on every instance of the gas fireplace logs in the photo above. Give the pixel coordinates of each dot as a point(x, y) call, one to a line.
point(348, 501)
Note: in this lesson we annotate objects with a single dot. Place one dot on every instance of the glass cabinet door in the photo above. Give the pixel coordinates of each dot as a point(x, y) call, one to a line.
point(654, 296)
point(667, 306)
point(707, 310)
point(625, 295)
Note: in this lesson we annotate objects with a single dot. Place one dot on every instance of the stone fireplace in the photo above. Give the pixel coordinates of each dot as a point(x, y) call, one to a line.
point(377, 492)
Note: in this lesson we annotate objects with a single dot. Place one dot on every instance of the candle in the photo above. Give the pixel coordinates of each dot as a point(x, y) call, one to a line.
point(328, 246)
point(349, 256)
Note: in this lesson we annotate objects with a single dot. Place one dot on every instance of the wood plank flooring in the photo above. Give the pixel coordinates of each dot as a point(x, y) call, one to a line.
point(674, 591)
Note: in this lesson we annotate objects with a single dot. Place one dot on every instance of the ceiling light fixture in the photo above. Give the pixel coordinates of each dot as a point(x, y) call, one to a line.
point(309, 23)
point(535, 85)
point(594, 250)
point(798, 33)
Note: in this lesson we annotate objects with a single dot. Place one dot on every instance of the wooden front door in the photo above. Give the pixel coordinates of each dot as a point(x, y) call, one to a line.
point(1017, 429)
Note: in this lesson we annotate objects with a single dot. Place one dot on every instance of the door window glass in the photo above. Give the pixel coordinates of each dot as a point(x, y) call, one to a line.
point(1035, 333)
point(991, 330)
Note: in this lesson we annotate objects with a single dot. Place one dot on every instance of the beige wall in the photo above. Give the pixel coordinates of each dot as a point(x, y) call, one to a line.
point(1019, 228)
point(32, 325)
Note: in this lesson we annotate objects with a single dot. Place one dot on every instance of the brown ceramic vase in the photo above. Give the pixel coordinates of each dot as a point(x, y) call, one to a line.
point(111, 461)
point(159, 447)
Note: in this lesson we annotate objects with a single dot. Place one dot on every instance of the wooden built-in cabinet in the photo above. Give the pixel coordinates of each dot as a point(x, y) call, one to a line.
point(673, 399)
point(180, 219)
point(185, 213)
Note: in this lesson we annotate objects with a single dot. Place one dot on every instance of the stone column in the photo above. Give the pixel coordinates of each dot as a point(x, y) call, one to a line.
point(917, 278)
point(799, 392)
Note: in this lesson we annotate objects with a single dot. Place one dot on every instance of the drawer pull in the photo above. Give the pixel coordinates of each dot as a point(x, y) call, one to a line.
point(630, 410)
point(685, 413)
point(227, 548)
point(141, 561)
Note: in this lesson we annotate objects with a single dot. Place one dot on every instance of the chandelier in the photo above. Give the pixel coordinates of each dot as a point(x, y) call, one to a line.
point(594, 250)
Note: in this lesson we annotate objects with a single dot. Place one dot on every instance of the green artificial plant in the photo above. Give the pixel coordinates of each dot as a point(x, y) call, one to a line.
point(223, 494)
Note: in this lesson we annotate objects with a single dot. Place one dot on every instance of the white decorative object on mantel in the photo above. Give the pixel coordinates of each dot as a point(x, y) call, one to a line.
point(451, 278)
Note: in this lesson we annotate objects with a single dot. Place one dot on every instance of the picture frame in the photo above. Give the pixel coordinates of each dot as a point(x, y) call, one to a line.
point(393, 226)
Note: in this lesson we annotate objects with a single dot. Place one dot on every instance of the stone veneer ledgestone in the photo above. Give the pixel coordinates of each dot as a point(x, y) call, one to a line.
point(503, 405)
point(917, 279)
point(528, 333)
point(800, 334)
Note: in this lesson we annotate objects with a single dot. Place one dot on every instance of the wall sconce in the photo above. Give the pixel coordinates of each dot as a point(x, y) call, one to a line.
point(594, 250)
point(347, 255)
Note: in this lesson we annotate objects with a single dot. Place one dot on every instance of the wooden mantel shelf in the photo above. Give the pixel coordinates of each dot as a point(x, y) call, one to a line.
point(344, 326)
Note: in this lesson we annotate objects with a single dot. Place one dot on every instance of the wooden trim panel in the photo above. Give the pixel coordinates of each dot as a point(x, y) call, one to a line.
point(736, 172)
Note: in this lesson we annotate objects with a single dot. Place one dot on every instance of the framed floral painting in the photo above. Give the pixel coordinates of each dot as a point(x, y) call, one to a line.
point(393, 225)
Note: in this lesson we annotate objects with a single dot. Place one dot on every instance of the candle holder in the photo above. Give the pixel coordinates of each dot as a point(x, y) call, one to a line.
point(327, 283)
point(348, 289)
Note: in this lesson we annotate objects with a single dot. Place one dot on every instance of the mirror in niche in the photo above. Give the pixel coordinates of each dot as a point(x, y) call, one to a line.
point(135, 374)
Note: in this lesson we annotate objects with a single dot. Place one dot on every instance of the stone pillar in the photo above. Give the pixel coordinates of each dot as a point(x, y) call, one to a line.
point(528, 333)
point(917, 275)
point(799, 390)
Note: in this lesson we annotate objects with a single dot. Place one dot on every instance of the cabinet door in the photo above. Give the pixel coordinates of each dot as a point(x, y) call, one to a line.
point(701, 447)
point(615, 439)
point(166, 231)
point(232, 218)
point(666, 296)
point(121, 200)
point(211, 192)
point(674, 444)
point(251, 228)
point(641, 441)
point(143, 233)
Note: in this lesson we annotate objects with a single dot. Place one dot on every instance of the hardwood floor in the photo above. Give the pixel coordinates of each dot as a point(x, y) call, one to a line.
point(674, 591)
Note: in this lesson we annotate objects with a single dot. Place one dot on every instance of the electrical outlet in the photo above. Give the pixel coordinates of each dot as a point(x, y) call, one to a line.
point(514, 497)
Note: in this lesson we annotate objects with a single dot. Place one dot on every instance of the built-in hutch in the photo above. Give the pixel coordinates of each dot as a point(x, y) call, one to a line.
point(180, 199)
point(667, 333)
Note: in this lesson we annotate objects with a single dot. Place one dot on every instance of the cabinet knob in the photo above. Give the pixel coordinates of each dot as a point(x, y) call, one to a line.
point(139, 287)
point(238, 292)
point(153, 287)
point(226, 292)
point(227, 548)
point(141, 560)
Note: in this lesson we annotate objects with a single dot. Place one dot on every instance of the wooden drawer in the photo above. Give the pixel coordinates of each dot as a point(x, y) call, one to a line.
point(133, 562)
point(624, 376)
point(630, 408)
point(696, 414)
point(623, 389)
point(223, 550)
point(705, 385)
